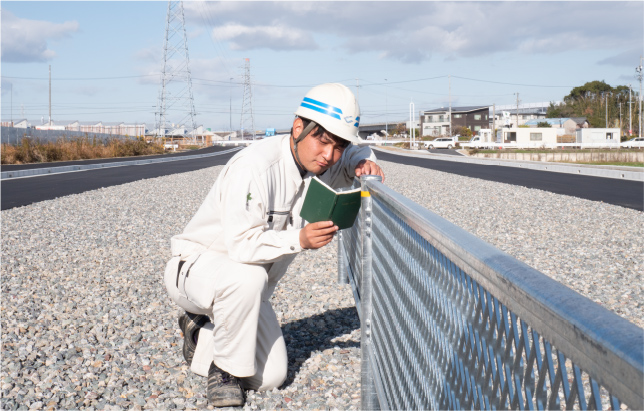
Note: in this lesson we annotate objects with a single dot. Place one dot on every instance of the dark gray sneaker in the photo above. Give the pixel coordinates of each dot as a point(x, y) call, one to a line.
point(190, 324)
point(224, 390)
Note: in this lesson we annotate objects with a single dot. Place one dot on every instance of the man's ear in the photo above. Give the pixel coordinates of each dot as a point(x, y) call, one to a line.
point(298, 126)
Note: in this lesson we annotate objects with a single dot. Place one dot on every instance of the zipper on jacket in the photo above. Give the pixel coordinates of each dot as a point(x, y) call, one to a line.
point(271, 213)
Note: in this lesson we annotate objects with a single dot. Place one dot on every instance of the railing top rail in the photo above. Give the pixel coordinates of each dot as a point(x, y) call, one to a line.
point(599, 341)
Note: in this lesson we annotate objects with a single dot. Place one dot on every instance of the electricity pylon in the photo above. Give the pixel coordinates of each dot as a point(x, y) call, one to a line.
point(176, 103)
point(247, 117)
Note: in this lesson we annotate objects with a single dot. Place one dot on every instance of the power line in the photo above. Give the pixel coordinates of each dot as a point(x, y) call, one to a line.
point(80, 78)
point(509, 84)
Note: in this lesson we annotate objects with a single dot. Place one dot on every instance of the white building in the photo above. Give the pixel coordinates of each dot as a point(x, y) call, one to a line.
point(531, 137)
point(598, 136)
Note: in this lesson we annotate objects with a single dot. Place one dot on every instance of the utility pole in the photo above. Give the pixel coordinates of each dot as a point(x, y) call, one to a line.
point(620, 120)
point(606, 110)
point(450, 105)
point(638, 69)
point(357, 91)
point(630, 110)
point(11, 119)
point(412, 135)
point(50, 94)
point(493, 123)
point(517, 109)
point(386, 112)
point(230, 108)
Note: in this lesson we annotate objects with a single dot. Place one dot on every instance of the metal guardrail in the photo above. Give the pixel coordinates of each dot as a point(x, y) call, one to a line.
point(450, 322)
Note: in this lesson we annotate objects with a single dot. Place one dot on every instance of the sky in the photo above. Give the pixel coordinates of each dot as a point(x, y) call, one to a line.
point(107, 57)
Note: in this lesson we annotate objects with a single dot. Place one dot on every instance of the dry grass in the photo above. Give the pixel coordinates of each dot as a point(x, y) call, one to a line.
point(75, 149)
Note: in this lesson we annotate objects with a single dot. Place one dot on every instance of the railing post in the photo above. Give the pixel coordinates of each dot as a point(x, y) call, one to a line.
point(369, 399)
point(343, 276)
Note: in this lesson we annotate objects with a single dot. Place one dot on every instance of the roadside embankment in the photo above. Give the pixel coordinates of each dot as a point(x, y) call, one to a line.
point(567, 156)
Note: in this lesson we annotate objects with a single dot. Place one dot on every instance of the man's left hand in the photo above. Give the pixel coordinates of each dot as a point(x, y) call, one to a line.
point(368, 167)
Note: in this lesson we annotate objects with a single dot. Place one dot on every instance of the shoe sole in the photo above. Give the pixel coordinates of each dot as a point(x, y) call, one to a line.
point(190, 323)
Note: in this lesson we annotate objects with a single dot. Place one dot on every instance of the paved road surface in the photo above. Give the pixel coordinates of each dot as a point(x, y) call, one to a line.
point(24, 191)
point(12, 167)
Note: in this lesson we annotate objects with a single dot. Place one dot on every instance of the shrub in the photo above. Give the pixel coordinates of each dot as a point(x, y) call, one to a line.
point(34, 151)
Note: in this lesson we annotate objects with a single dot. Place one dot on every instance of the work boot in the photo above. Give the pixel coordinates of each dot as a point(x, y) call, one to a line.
point(224, 390)
point(190, 324)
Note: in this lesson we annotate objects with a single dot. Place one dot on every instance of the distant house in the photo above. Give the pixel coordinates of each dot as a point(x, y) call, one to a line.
point(530, 137)
point(525, 114)
point(582, 122)
point(437, 122)
point(568, 124)
point(117, 128)
point(17, 124)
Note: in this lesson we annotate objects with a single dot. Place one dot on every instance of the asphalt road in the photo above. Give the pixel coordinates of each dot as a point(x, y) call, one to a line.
point(12, 167)
point(624, 193)
point(24, 191)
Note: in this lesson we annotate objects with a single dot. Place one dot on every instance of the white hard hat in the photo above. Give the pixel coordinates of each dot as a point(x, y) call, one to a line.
point(334, 107)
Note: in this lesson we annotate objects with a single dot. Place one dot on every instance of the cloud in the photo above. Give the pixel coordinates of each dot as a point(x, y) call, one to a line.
point(25, 41)
point(270, 37)
point(414, 32)
point(627, 58)
point(154, 54)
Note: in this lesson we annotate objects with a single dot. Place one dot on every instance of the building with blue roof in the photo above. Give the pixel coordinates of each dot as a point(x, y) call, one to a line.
point(568, 123)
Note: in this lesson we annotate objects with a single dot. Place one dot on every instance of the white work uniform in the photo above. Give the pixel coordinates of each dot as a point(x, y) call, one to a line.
point(234, 251)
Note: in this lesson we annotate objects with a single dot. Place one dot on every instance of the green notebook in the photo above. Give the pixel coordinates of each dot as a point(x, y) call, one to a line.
point(322, 203)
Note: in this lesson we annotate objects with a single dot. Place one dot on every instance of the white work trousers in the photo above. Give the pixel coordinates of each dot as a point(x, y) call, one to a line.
point(246, 339)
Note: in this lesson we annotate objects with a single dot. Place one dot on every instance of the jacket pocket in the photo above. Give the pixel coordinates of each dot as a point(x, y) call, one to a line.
point(278, 219)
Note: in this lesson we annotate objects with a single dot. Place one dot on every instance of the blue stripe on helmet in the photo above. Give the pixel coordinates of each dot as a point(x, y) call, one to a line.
point(321, 110)
point(321, 104)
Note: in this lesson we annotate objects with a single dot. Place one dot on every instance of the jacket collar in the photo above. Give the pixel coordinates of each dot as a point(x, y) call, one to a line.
point(290, 165)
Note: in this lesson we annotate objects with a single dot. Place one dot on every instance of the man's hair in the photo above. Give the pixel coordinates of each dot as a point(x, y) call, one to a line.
point(319, 131)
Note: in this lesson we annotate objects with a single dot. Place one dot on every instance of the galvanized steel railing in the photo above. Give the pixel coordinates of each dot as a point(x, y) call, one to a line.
point(450, 322)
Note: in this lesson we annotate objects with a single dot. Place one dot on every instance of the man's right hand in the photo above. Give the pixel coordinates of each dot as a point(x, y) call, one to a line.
point(316, 235)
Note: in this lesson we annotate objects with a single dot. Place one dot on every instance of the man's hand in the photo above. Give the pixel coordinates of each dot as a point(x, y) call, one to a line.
point(316, 235)
point(368, 167)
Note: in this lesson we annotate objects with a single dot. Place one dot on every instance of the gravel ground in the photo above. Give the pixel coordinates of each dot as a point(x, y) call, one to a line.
point(86, 322)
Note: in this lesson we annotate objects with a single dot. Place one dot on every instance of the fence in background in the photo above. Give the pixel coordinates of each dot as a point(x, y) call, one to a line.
point(450, 322)
point(14, 135)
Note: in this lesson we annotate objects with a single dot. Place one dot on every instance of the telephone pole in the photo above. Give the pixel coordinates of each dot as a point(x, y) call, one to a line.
point(230, 107)
point(517, 109)
point(493, 136)
point(630, 110)
point(638, 69)
point(50, 94)
point(449, 77)
point(606, 110)
point(386, 112)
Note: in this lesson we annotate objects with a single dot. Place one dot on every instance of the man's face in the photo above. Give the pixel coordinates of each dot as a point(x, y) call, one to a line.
point(318, 153)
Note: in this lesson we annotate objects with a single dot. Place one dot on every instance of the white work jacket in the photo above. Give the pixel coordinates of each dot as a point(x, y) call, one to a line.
point(252, 212)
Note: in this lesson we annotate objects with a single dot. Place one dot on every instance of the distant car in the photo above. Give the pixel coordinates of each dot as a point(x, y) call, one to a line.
point(475, 142)
point(637, 142)
point(169, 146)
point(443, 142)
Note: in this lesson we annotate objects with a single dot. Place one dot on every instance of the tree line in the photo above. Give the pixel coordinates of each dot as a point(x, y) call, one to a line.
point(599, 102)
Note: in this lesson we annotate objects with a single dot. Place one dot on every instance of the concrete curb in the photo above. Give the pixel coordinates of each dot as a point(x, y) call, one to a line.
point(620, 173)
point(5, 175)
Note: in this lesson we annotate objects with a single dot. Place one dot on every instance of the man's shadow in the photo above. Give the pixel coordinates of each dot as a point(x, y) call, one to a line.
point(315, 333)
